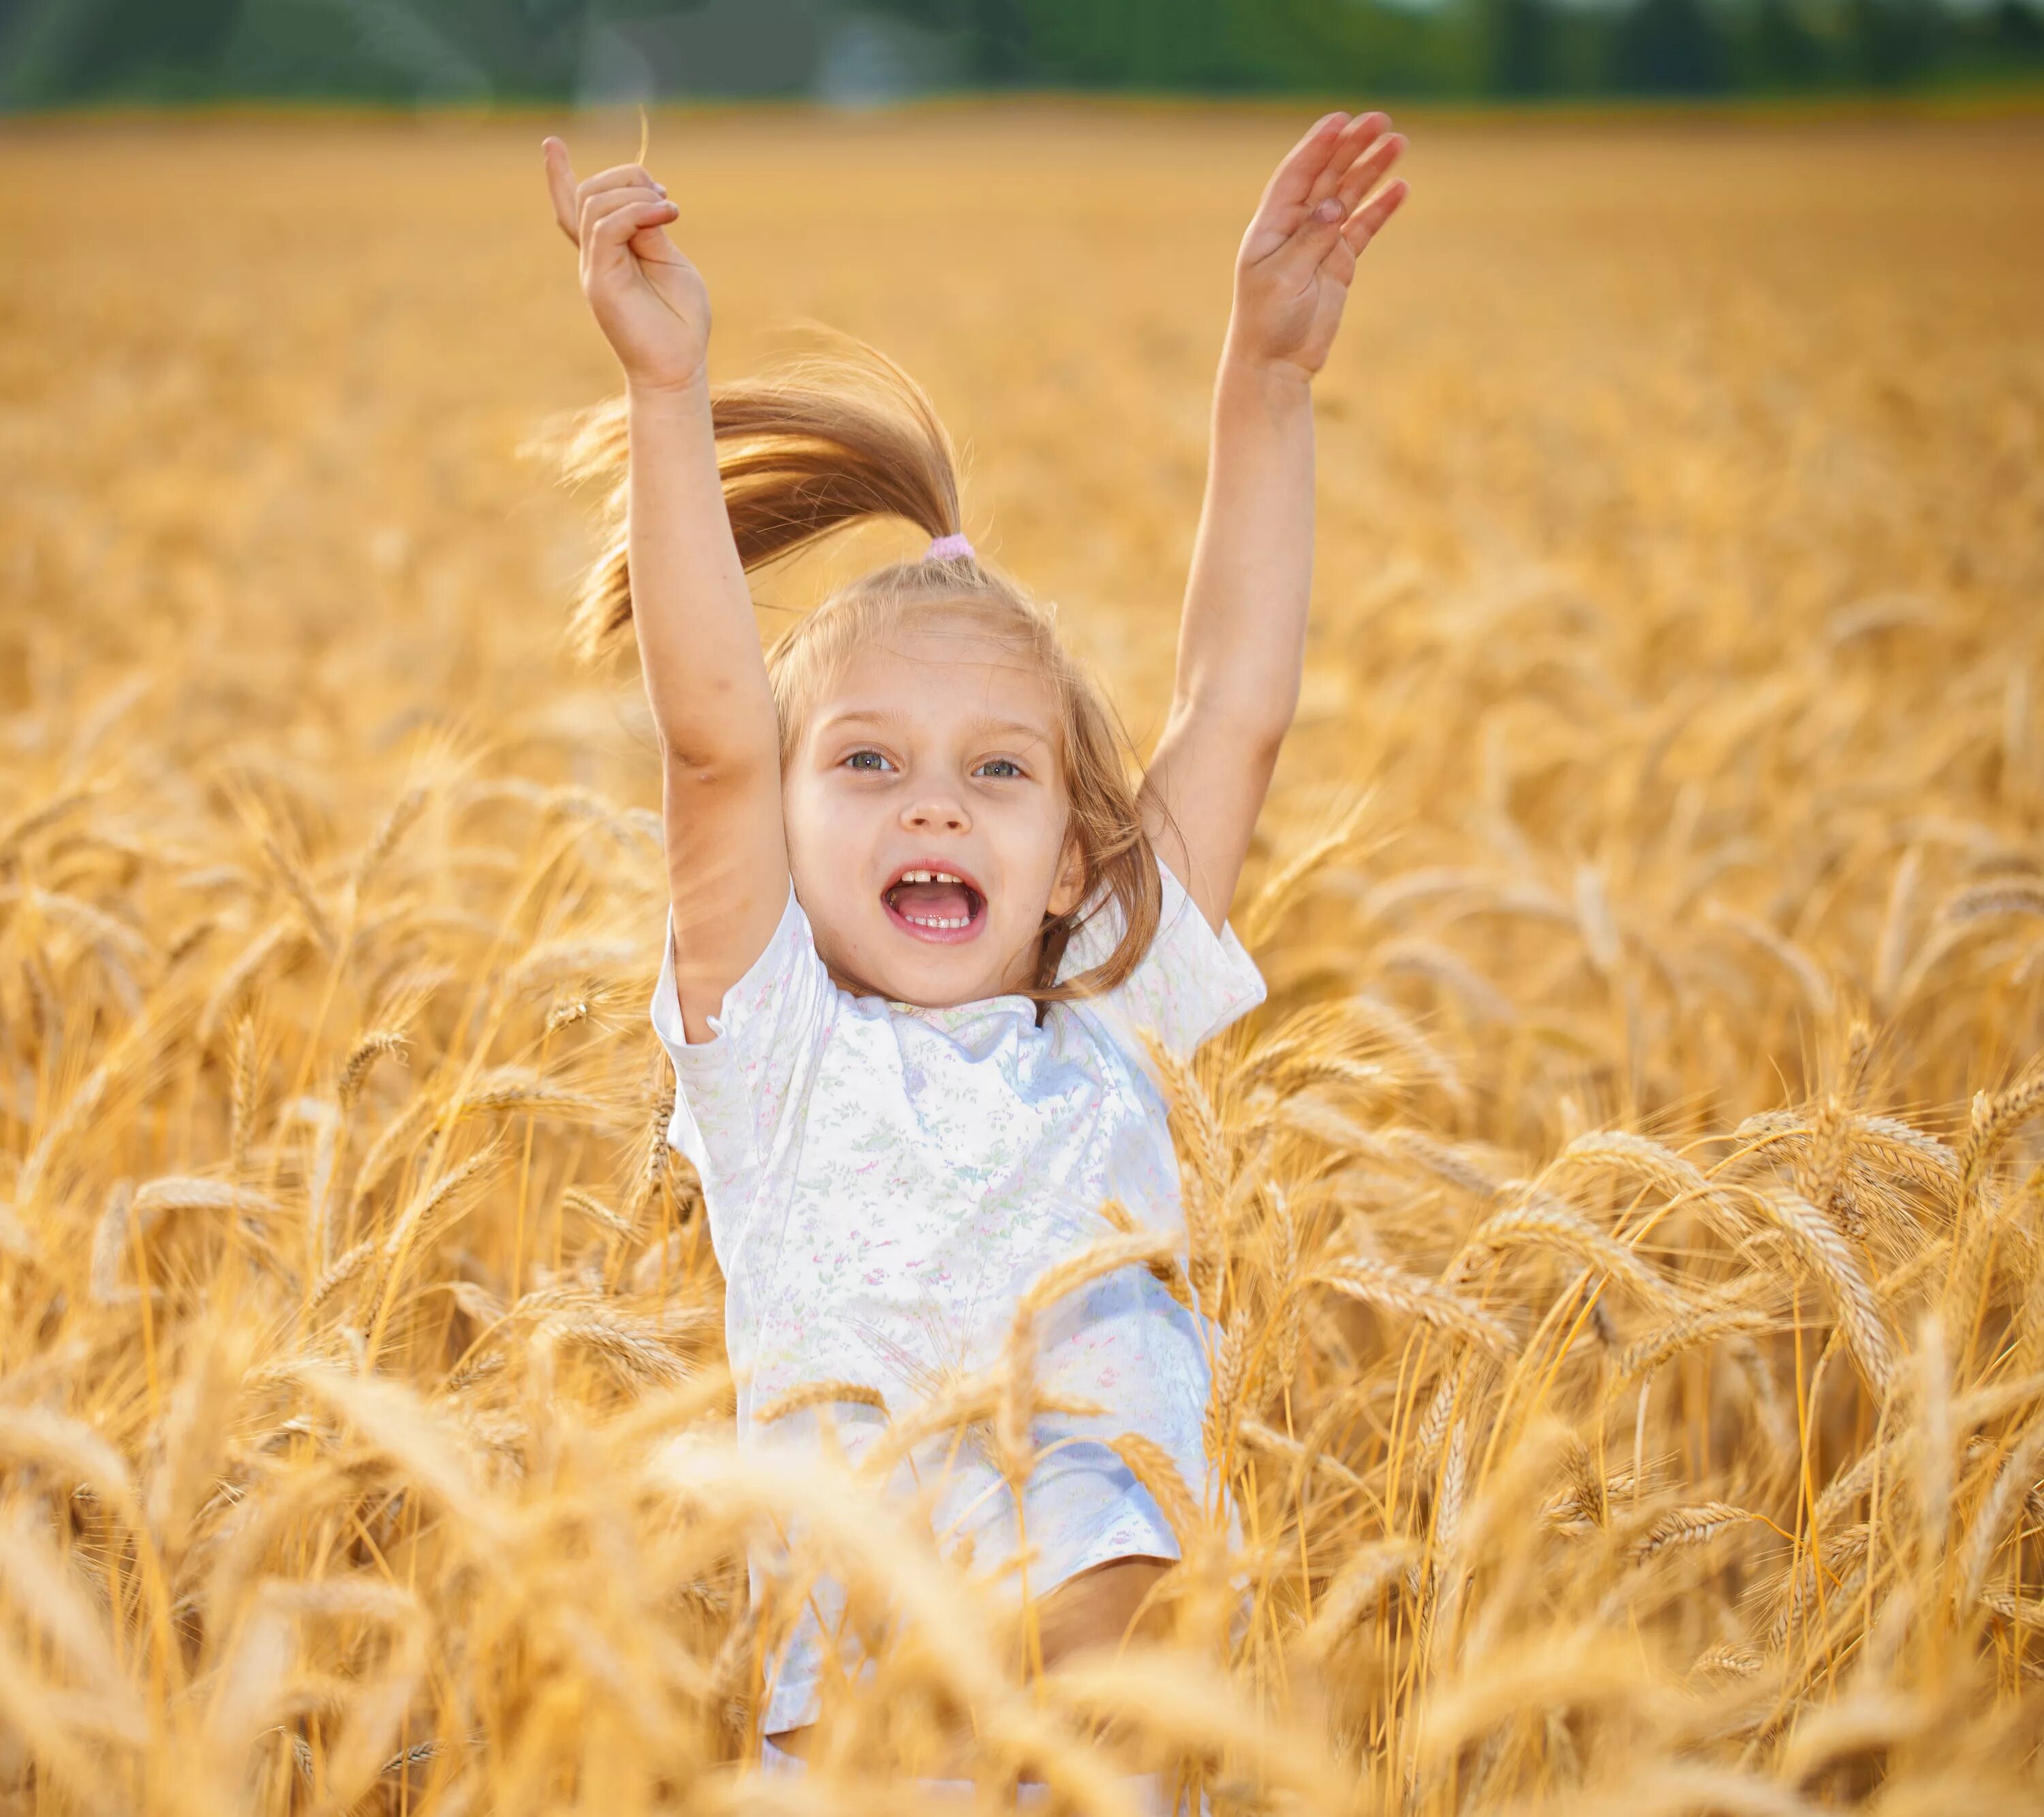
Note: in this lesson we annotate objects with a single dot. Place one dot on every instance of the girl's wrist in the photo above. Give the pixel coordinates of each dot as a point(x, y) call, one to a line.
point(1278, 379)
point(665, 394)
point(1273, 390)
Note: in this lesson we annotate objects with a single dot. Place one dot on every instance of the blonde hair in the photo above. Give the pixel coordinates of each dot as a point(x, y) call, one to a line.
point(826, 441)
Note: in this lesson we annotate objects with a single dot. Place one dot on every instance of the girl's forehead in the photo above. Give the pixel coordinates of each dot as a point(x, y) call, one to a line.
point(936, 672)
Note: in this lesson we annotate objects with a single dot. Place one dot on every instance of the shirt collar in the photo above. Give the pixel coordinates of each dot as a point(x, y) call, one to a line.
point(959, 1017)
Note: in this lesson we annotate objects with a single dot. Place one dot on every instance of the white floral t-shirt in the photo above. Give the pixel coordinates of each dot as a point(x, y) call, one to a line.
point(883, 1181)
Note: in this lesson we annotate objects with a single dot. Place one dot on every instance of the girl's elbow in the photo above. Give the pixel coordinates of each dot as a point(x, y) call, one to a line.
point(1258, 729)
point(1262, 741)
point(695, 766)
point(1272, 725)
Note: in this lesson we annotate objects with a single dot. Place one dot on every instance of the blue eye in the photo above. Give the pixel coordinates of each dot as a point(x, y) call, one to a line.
point(999, 766)
point(867, 760)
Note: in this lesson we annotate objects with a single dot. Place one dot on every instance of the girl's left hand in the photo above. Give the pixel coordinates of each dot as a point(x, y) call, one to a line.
point(1293, 273)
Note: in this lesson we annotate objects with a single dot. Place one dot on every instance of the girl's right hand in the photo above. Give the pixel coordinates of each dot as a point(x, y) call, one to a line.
point(650, 301)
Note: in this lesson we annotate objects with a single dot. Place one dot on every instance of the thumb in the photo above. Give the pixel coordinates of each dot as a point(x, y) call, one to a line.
point(1311, 241)
point(560, 184)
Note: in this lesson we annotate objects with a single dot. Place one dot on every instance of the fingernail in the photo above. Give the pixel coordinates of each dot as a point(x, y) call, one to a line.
point(1330, 209)
point(661, 187)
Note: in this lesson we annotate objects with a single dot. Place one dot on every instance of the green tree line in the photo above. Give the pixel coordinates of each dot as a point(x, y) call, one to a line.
point(55, 52)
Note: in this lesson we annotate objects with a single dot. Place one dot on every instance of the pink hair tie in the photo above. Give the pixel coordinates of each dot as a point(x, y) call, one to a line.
point(946, 546)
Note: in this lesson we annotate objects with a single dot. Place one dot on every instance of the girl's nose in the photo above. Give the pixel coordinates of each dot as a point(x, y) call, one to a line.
point(936, 813)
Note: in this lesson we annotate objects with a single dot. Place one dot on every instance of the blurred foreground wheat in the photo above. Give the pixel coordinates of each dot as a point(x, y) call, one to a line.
point(1625, 1220)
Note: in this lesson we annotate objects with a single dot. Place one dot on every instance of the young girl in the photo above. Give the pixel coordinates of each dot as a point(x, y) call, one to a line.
point(920, 922)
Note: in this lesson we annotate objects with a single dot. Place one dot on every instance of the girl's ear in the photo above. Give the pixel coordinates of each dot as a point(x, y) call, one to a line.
point(1067, 892)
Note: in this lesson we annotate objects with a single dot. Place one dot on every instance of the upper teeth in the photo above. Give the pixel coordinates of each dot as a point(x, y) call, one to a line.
point(930, 877)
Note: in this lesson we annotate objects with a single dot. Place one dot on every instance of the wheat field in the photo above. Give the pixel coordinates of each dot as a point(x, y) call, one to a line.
point(1626, 1220)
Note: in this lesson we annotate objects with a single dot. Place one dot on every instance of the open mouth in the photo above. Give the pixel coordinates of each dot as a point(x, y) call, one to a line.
point(938, 905)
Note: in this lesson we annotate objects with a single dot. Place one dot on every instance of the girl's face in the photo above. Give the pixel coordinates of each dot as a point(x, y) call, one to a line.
point(926, 818)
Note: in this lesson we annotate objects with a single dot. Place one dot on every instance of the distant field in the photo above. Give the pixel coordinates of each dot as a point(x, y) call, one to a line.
point(1634, 1377)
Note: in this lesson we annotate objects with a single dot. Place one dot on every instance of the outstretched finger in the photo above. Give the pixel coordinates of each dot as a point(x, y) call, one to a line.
point(560, 184)
point(1362, 225)
point(1355, 142)
point(1364, 174)
point(1291, 184)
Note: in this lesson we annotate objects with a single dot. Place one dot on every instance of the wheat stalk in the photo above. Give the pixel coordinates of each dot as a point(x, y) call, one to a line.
point(1691, 1526)
point(1819, 1246)
point(1151, 1466)
point(820, 1394)
point(363, 1056)
point(1393, 1290)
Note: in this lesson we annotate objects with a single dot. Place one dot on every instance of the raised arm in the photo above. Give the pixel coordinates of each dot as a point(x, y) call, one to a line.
point(1242, 643)
point(692, 611)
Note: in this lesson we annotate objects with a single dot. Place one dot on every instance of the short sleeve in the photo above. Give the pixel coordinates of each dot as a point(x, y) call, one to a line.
point(733, 1092)
point(1187, 988)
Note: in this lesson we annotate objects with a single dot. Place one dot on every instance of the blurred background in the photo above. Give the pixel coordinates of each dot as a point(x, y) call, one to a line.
point(60, 52)
point(1670, 763)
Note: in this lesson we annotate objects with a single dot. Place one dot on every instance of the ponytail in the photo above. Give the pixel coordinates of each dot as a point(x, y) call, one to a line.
point(821, 443)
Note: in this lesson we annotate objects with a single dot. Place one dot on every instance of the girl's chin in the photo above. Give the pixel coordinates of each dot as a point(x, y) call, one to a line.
point(943, 974)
